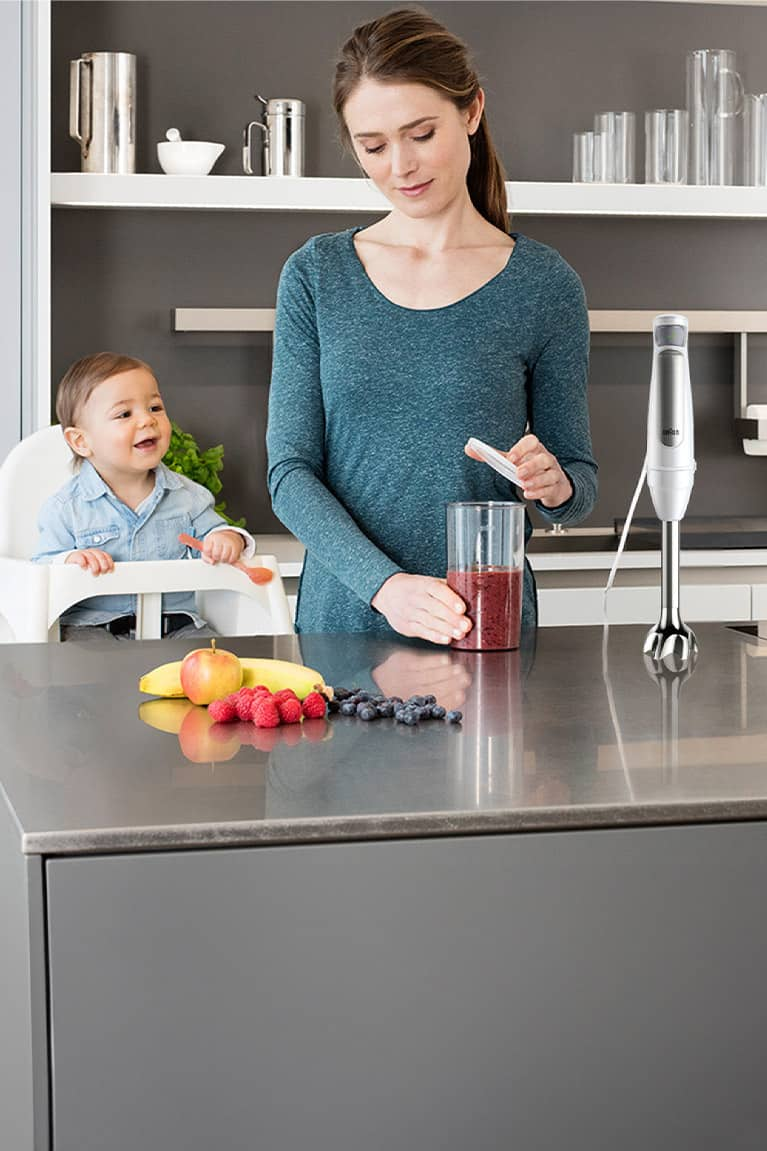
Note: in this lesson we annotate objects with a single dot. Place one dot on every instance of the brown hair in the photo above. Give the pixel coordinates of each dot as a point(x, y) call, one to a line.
point(409, 45)
point(80, 381)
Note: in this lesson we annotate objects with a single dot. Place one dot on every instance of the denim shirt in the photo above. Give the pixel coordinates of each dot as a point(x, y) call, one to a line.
point(86, 513)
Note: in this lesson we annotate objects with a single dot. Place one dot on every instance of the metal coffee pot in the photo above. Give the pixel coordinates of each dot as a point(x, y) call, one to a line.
point(283, 138)
point(102, 110)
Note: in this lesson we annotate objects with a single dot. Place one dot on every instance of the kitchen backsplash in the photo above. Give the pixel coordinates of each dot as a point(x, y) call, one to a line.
point(140, 265)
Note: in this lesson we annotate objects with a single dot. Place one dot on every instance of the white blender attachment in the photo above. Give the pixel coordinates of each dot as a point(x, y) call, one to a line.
point(670, 476)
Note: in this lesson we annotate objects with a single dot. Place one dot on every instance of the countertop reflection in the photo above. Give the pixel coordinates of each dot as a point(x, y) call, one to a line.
point(568, 732)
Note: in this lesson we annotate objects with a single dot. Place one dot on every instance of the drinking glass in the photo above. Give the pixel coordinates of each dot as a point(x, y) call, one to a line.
point(583, 157)
point(755, 140)
point(624, 148)
point(666, 134)
point(714, 100)
point(485, 561)
point(615, 147)
point(604, 147)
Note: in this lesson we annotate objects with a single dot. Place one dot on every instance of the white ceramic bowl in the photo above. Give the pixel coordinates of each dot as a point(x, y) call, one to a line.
point(188, 157)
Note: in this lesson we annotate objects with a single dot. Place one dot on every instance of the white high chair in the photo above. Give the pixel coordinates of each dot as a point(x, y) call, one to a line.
point(33, 596)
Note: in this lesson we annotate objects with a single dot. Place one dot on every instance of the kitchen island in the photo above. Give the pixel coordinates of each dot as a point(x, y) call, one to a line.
point(543, 928)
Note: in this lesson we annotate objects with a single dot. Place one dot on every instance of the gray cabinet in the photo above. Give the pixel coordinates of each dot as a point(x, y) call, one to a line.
point(593, 989)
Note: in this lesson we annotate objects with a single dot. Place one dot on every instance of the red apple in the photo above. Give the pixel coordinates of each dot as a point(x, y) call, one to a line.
point(208, 673)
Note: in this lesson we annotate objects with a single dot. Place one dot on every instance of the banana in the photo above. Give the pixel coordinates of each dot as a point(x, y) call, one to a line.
point(164, 714)
point(277, 674)
point(273, 673)
point(164, 680)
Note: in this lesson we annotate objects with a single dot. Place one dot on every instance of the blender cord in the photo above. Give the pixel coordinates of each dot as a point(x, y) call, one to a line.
point(624, 533)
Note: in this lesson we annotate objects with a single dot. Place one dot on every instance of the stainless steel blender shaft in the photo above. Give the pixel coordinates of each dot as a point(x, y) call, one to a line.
point(670, 641)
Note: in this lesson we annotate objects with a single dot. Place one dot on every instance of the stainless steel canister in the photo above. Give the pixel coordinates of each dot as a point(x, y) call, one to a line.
point(102, 110)
point(283, 138)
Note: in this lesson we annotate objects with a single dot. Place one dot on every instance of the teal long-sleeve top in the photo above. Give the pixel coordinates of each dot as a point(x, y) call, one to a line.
point(371, 404)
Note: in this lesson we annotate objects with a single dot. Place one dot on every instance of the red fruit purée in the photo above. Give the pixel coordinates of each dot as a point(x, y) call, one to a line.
point(493, 598)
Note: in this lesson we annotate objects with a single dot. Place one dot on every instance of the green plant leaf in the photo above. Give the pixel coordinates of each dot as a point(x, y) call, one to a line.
point(184, 456)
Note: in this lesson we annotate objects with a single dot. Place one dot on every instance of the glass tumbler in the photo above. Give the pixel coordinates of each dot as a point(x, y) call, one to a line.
point(665, 158)
point(485, 563)
point(583, 157)
point(615, 147)
point(755, 140)
point(604, 147)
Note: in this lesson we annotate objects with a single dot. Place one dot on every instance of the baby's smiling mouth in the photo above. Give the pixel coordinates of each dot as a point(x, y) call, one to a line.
point(147, 443)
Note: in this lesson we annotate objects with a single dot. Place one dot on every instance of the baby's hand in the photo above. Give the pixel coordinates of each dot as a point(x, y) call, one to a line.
point(93, 560)
point(222, 547)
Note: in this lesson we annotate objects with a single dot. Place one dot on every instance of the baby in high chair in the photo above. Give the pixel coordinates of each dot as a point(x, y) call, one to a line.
point(123, 503)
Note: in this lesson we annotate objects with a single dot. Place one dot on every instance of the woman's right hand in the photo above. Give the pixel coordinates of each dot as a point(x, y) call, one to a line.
point(422, 606)
point(91, 559)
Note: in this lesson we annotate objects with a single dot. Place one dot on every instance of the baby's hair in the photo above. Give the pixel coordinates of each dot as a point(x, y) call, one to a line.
point(81, 379)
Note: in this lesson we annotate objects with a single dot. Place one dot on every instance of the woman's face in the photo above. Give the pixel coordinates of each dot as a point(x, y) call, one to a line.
point(412, 142)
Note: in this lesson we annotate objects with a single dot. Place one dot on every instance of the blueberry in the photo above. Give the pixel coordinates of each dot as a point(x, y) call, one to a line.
point(423, 712)
point(333, 706)
point(417, 700)
point(363, 696)
point(430, 699)
point(405, 715)
point(437, 711)
point(367, 712)
point(454, 716)
point(348, 708)
point(385, 709)
point(342, 693)
point(396, 699)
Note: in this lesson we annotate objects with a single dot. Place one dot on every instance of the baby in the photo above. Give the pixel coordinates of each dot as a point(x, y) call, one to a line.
point(123, 503)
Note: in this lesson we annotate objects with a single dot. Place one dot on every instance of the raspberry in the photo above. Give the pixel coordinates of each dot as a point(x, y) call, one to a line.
point(285, 693)
point(264, 712)
point(262, 687)
point(223, 710)
point(289, 708)
point(244, 702)
point(314, 705)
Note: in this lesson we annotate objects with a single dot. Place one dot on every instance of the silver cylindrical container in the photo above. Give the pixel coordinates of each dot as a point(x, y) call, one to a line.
point(283, 138)
point(102, 110)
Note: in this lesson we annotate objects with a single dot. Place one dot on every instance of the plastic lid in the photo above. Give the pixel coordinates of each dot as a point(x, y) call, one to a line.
point(495, 459)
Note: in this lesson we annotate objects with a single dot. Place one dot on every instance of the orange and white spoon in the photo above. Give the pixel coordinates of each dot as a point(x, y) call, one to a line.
point(256, 574)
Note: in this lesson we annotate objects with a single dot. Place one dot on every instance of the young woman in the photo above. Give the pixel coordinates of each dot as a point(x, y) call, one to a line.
point(396, 342)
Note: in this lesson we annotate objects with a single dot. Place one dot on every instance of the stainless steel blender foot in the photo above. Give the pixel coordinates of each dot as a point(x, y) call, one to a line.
point(673, 645)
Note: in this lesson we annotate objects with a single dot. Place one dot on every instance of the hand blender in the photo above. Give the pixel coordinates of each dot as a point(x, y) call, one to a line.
point(670, 476)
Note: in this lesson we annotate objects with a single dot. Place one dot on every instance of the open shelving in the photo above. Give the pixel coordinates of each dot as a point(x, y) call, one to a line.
point(324, 194)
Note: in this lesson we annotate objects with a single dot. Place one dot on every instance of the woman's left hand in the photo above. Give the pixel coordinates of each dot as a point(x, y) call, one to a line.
point(542, 477)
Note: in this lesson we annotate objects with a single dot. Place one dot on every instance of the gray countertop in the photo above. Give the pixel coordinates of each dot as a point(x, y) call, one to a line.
point(568, 732)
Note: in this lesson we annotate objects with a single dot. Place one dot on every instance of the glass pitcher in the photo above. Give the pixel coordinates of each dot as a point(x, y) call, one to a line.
point(714, 101)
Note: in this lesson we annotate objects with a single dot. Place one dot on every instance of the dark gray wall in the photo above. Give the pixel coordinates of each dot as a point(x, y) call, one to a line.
point(547, 68)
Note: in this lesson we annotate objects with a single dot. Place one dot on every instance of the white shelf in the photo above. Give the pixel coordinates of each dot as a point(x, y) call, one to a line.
point(318, 194)
point(262, 320)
